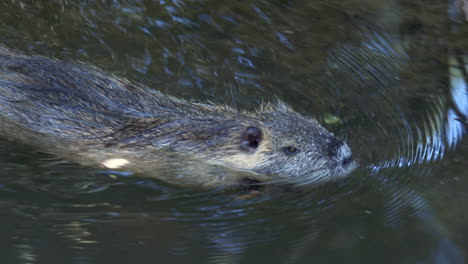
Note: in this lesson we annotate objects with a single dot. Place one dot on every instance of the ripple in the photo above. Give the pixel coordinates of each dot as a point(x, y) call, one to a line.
point(420, 133)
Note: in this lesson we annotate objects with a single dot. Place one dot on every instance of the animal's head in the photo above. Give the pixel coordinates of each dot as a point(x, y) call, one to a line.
point(293, 148)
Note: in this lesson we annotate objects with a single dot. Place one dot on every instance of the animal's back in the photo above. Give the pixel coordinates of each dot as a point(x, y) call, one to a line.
point(72, 100)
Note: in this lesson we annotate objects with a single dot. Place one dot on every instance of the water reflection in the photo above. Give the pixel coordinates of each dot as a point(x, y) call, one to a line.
point(457, 116)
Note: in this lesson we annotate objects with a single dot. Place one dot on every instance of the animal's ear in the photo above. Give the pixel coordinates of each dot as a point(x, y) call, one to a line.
point(251, 139)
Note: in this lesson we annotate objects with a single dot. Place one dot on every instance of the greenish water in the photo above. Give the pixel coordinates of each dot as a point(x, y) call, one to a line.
point(390, 71)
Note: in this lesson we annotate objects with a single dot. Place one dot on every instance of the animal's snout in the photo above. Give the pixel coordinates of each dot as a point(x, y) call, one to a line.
point(339, 150)
point(348, 160)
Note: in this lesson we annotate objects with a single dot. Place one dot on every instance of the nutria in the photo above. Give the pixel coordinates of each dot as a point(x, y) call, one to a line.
point(86, 115)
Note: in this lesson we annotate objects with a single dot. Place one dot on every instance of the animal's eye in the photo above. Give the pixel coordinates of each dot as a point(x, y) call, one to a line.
point(290, 150)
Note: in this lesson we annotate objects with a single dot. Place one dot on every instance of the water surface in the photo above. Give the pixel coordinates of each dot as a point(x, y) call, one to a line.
point(389, 77)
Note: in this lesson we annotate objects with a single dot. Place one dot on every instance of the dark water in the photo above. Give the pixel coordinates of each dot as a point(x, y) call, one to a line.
point(388, 76)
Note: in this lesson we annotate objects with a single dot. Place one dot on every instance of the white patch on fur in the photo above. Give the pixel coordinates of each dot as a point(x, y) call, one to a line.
point(115, 163)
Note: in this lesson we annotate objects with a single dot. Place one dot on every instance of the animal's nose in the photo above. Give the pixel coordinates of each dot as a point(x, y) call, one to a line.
point(347, 160)
point(334, 145)
point(338, 150)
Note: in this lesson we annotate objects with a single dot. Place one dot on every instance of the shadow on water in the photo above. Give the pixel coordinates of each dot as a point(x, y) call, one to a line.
point(393, 75)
